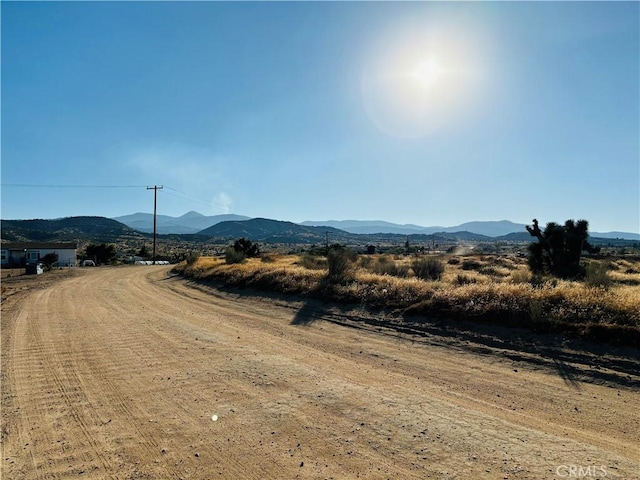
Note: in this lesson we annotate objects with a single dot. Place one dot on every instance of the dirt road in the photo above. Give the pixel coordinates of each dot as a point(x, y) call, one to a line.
point(118, 373)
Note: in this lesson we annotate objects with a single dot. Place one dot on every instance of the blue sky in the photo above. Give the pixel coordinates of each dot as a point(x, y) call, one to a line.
point(420, 112)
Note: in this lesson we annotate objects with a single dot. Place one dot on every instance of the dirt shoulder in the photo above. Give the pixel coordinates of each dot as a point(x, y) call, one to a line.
point(117, 372)
point(576, 359)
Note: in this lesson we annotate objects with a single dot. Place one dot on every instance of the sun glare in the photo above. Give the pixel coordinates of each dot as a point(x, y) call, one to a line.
point(427, 72)
point(418, 83)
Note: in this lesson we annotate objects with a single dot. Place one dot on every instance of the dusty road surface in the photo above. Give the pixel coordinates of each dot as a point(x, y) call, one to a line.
point(118, 373)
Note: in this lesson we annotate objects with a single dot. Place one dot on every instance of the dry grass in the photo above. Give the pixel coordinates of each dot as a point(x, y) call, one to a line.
point(481, 288)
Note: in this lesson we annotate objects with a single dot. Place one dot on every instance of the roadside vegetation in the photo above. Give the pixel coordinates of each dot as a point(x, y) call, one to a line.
point(602, 305)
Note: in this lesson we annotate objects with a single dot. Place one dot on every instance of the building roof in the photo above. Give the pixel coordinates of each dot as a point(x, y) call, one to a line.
point(43, 245)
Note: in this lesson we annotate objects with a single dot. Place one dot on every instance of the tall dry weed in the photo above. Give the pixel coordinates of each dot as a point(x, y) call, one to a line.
point(554, 305)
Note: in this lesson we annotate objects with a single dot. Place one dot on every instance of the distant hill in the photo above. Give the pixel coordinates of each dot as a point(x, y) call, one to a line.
point(594, 238)
point(99, 229)
point(274, 231)
point(190, 222)
point(515, 237)
point(488, 228)
point(373, 226)
point(226, 227)
point(617, 235)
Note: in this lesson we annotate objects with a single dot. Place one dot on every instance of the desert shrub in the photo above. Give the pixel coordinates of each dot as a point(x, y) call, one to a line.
point(540, 281)
point(462, 279)
point(471, 264)
point(520, 276)
point(365, 262)
point(596, 275)
point(453, 261)
point(536, 310)
point(312, 262)
point(491, 271)
point(233, 256)
point(192, 257)
point(341, 263)
point(247, 247)
point(428, 268)
point(504, 263)
point(385, 268)
point(268, 258)
point(403, 271)
point(393, 269)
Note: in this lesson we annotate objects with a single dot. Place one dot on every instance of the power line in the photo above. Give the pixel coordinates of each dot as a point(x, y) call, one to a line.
point(207, 202)
point(199, 201)
point(33, 185)
point(178, 194)
point(191, 195)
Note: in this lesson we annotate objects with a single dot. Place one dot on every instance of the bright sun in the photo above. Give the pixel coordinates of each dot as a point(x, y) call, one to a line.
point(416, 84)
point(427, 72)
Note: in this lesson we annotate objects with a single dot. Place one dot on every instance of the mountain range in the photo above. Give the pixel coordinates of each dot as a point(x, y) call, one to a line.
point(190, 222)
point(263, 230)
point(194, 222)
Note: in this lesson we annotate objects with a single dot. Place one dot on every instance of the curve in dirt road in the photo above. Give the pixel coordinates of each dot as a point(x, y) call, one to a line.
point(130, 372)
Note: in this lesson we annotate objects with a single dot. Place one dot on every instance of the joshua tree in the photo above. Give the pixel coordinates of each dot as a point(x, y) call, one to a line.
point(559, 248)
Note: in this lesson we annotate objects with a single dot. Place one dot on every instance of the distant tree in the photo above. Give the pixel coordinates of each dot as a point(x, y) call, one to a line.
point(49, 260)
point(144, 252)
point(246, 247)
point(101, 254)
point(559, 248)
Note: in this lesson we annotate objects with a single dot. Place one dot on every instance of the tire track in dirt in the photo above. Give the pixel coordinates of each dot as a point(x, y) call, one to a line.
point(462, 398)
point(44, 378)
point(140, 342)
point(469, 387)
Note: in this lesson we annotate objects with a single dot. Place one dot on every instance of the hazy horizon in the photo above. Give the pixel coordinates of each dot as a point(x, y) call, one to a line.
point(424, 113)
point(359, 222)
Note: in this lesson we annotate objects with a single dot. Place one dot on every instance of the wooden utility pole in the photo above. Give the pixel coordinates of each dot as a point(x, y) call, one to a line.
point(155, 189)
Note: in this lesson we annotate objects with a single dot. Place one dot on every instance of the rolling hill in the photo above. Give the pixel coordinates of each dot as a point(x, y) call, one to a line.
point(275, 231)
point(99, 229)
point(190, 222)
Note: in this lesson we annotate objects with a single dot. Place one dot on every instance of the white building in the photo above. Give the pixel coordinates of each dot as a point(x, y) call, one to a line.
point(20, 254)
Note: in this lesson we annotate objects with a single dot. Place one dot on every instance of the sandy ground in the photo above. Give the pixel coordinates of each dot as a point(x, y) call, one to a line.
point(118, 373)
